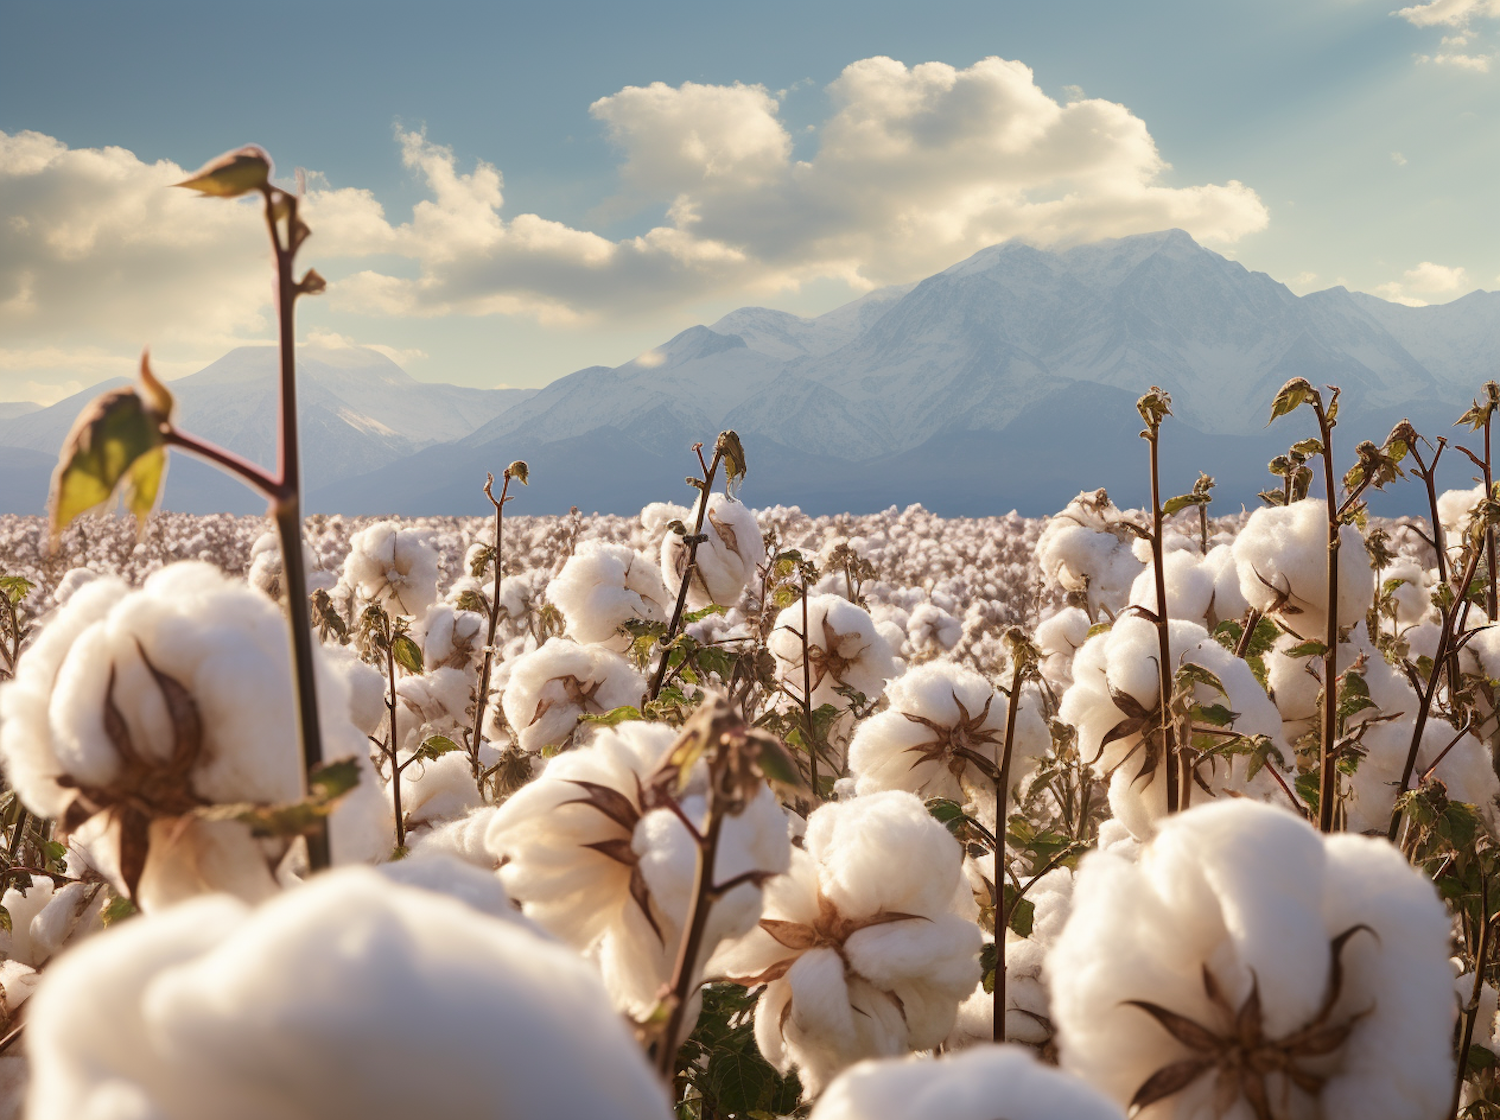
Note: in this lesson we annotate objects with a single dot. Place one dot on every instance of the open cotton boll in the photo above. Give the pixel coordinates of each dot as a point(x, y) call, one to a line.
point(1282, 558)
point(1085, 549)
point(449, 875)
point(395, 567)
point(1059, 638)
point(155, 702)
point(726, 562)
point(434, 703)
point(1228, 601)
point(1413, 596)
point(933, 631)
point(602, 587)
point(451, 639)
point(295, 1010)
point(434, 791)
point(550, 689)
point(859, 948)
point(1466, 771)
point(1189, 585)
point(267, 573)
point(941, 718)
point(1234, 903)
point(975, 1085)
point(72, 580)
point(364, 684)
point(591, 862)
point(844, 649)
point(1455, 509)
point(1123, 660)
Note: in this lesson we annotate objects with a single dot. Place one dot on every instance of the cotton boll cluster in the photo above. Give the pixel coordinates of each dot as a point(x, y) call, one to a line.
point(548, 690)
point(1243, 920)
point(593, 852)
point(604, 586)
point(943, 735)
point(136, 708)
point(1115, 700)
point(1086, 549)
point(977, 1085)
point(859, 948)
point(725, 563)
point(294, 1009)
point(394, 567)
point(44, 918)
point(1204, 589)
point(1282, 557)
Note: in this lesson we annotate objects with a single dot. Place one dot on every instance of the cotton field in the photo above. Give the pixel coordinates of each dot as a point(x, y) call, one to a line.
point(652, 822)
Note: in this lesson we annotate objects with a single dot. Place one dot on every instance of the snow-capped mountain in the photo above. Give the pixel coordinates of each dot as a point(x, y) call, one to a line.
point(1006, 380)
point(360, 411)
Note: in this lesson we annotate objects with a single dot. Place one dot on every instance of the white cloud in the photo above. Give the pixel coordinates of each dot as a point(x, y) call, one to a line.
point(1398, 159)
point(332, 340)
point(915, 168)
point(1476, 62)
point(1436, 278)
point(1394, 292)
point(1448, 13)
point(46, 393)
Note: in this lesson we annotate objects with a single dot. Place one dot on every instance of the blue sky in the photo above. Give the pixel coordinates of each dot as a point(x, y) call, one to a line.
point(1321, 141)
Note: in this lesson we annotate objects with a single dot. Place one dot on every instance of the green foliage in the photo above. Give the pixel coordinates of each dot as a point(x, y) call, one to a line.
point(722, 1067)
point(407, 653)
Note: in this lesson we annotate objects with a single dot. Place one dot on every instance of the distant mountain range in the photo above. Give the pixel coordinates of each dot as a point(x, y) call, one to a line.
point(1006, 381)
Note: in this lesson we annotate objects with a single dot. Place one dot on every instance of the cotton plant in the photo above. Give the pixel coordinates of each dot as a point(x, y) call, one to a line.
point(844, 650)
point(545, 693)
point(975, 1085)
point(1217, 705)
point(1203, 589)
point(943, 735)
point(295, 1009)
point(1245, 966)
point(859, 948)
point(394, 567)
point(1282, 558)
point(1086, 550)
point(45, 917)
point(136, 711)
point(596, 850)
point(267, 572)
point(604, 586)
point(725, 563)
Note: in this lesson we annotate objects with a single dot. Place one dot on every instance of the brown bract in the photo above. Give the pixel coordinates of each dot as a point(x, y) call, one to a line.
point(957, 745)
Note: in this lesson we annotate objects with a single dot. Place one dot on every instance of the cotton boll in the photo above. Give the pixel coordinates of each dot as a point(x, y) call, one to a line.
point(451, 639)
point(1413, 596)
point(1233, 897)
point(1086, 549)
point(267, 572)
point(434, 791)
point(933, 631)
point(1123, 662)
point(1189, 585)
point(844, 649)
point(1228, 600)
point(72, 580)
point(858, 946)
point(1455, 510)
point(294, 1010)
point(937, 712)
point(462, 839)
point(726, 562)
point(194, 668)
point(976, 1085)
point(549, 690)
point(603, 586)
point(434, 703)
point(395, 567)
point(1059, 638)
point(365, 686)
point(591, 862)
point(458, 879)
point(1466, 771)
point(1282, 558)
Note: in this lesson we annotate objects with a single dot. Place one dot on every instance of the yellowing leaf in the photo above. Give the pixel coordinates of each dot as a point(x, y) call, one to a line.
point(232, 174)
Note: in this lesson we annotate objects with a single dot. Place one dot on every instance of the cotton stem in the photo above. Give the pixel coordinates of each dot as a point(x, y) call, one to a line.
point(489, 642)
point(692, 567)
point(1002, 793)
point(1327, 770)
point(1163, 639)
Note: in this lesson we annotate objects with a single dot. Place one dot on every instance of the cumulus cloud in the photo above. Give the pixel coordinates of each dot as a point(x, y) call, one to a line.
point(1427, 278)
point(915, 168)
point(1457, 61)
point(1448, 13)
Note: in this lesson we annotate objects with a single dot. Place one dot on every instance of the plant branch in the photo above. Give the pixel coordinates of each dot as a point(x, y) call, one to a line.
point(692, 542)
point(1002, 789)
point(494, 624)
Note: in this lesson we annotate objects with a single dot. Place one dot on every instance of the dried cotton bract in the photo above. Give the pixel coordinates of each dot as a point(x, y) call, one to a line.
point(980, 1084)
point(395, 567)
point(350, 998)
point(859, 948)
point(602, 587)
point(1246, 958)
point(726, 562)
point(135, 708)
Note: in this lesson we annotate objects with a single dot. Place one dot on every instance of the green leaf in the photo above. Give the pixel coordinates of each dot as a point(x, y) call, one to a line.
point(520, 472)
point(1020, 912)
point(699, 616)
point(15, 588)
point(435, 747)
point(231, 174)
point(1308, 649)
point(1308, 787)
point(1100, 628)
point(728, 445)
point(1191, 675)
point(1291, 395)
point(117, 909)
point(1182, 501)
point(5, 922)
point(614, 716)
point(989, 961)
point(407, 653)
point(327, 784)
point(1215, 714)
point(115, 446)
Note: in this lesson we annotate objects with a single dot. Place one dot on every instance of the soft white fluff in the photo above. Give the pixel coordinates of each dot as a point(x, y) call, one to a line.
point(614, 877)
point(397, 568)
point(1203, 589)
point(1282, 557)
point(859, 947)
point(1085, 549)
point(1059, 638)
point(979, 1084)
point(451, 638)
point(726, 562)
point(1125, 659)
point(1254, 895)
point(226, 645)
point(548, 690)
point(917, 743)
point(603, 586)
point(844, 649)
point(351, 998)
